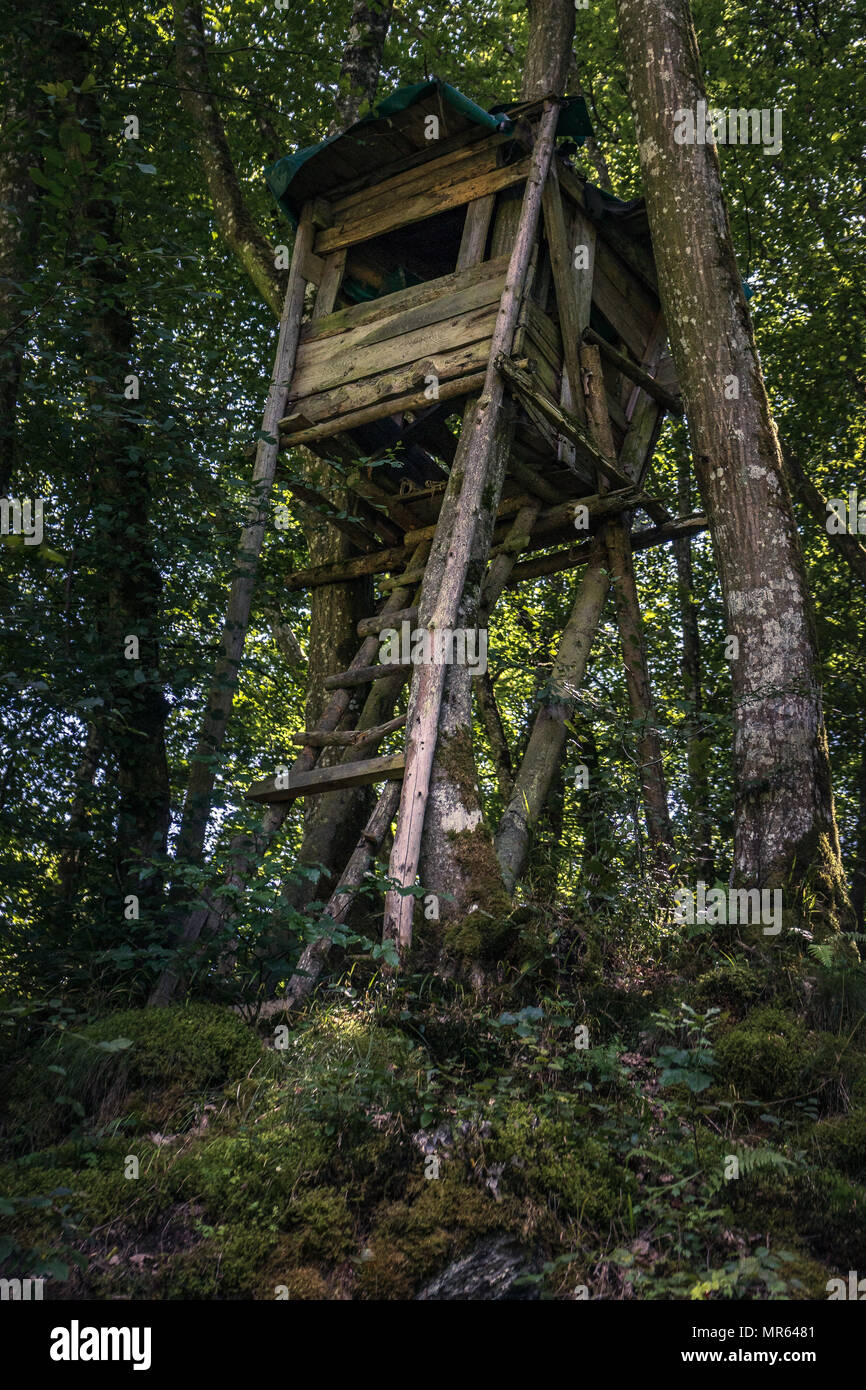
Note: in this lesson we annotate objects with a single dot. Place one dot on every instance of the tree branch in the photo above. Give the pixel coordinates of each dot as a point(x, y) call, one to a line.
point(847, 545)
point(236, 225)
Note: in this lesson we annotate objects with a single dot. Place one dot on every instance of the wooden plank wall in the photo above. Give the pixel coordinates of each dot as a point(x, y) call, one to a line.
point(431, 188)
point(372, 355)
point(373, 359)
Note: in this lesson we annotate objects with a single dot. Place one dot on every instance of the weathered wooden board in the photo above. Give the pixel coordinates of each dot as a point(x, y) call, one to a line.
point(562, 266)
point(635, 254)
point(337, 407)
point(464, 161)
point(415, 297)
point(475, 229)
point(329, 285)
point(543, 342)
point(474, 137)
point(404, 336)
point(546, 331)
point(623, 300)
point(341, 368)
point(329, 779)
point(387, 215)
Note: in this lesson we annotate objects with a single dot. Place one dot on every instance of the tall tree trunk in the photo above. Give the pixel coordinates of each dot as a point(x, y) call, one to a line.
point(124, 591)
point(23, 64)
point(785, 828)
point(362, 60)
point(548, 50)
point(637, 678)
point(457, 860)
point(131, 604)
point(858, 877)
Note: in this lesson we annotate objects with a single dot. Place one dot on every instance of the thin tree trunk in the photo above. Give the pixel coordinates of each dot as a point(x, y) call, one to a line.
point(697, 746)
point(617, 536)
point(637, 678)
point(549, 732)
point(542, 870)
point(23, 64)
point(811, 496)
point(497, 739)
point(596, 879)
point(85, 774)
point(237, 227)
point(785, 828)
point(196, 811)
point(858, 877)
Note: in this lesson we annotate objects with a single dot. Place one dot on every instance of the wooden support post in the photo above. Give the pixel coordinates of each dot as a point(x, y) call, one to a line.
point(579, 554)
point(313, 956)
point(530, 394)
point(634, 373)
point(475, 229)
point(329, 285)
point(562, 261)
point(544, 750)
point(452, 549)
point(503, 563)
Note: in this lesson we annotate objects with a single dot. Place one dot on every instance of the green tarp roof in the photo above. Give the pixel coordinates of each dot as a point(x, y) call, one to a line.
point(390, 133)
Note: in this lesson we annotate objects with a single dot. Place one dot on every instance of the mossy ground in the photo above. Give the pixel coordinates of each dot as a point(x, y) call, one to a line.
point(359, 1152)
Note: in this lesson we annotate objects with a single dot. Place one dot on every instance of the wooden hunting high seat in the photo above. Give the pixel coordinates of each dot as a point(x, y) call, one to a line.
point(410, 278)
point(470, 286)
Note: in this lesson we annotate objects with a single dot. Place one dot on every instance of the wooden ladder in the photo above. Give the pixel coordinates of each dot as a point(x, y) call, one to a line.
point(305, 778)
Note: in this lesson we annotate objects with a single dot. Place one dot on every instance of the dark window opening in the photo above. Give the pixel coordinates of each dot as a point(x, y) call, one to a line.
point(408, 256)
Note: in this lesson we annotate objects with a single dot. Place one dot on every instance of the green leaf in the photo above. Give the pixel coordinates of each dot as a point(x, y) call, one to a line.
point(115, 1044)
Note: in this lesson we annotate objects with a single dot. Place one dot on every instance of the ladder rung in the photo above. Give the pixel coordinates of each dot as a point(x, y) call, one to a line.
point(367, 627)
point(363, 675)
point(350, 738)
point(328, 779)
point(401, 581)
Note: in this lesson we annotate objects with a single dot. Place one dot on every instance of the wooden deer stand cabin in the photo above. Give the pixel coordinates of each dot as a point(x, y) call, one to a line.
point(461, 267)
